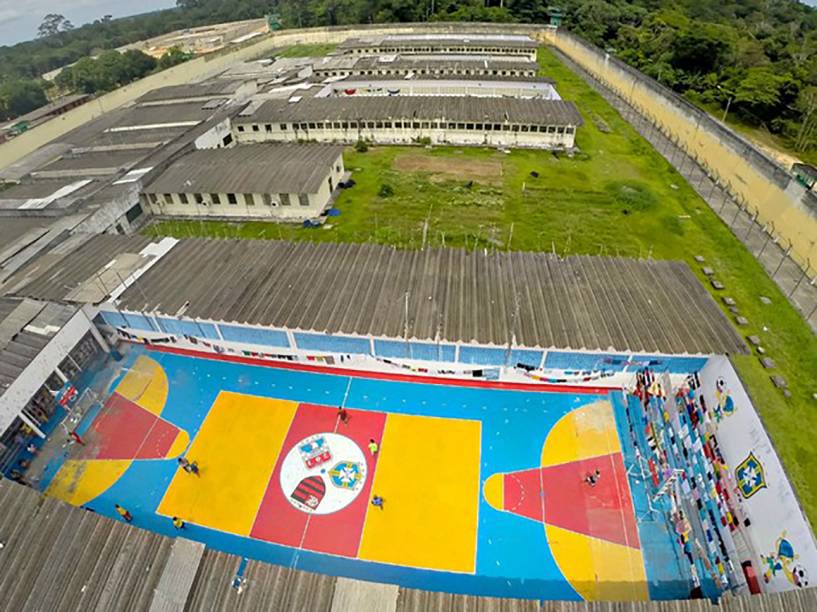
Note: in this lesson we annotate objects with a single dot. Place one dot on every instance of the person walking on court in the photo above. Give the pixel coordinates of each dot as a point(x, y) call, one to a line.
point(593, 478)
point(343, 415)
point(191, 467)
point(373, 447)
point(126, 516)
point(178, 523)
point(377, 502)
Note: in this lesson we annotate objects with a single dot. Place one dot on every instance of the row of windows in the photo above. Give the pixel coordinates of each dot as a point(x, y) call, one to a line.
point(214, 199)
point(415, 125)
point(444, 49)
point(423, 71)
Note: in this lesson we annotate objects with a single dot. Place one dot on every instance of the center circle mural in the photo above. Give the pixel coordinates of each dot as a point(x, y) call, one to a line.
point(323, 473)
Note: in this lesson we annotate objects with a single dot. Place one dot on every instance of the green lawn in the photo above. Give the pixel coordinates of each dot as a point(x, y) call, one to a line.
point(617, 197)
point(315, 50)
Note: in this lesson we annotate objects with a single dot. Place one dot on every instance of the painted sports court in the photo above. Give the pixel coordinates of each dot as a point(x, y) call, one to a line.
point(484, 483)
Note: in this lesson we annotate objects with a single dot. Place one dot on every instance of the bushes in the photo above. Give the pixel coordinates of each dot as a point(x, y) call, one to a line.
point(385, 191)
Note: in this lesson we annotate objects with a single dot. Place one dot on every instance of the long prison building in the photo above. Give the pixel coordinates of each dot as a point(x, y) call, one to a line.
point(458, 120)
point(347, 65)
point(283, 181)
point(481, 44)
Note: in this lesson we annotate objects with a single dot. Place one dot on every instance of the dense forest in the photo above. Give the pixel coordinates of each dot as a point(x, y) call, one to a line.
point(755, 58)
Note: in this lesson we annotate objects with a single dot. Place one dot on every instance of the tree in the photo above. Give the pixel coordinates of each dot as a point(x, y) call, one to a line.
point(173, 56)
point(20, 97)
point(52, 24)
point(807, 106)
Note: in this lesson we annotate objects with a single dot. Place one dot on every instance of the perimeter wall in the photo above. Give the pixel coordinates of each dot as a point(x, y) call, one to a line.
point(755, 180)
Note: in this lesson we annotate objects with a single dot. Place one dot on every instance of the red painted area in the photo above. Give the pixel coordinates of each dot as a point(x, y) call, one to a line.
point(603, 511)
point(337, 533)
point(431, 380)
point(125, 430)
point(523, 494)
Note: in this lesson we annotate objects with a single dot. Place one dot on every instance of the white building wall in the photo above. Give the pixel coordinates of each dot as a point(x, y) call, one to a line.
point(502, 138)
point(20, 392)
point(242, 209)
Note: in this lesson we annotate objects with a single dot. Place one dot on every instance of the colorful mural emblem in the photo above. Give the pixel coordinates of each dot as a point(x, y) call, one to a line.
point(725, 405)
point(314, 451)
point(750, 476)
point(347, 475)
point(306, 475)
point(783, 561)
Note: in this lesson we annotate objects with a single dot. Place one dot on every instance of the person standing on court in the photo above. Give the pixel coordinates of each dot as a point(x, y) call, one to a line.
point(373, 447)
point(178, 523)
point(126, 516)
point(343, 415)
point(377, 502)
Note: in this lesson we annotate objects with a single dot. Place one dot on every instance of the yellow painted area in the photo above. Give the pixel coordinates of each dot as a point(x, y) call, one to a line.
point(179, 444)
point(145, 384)
point(236, 449)
point(428, 476)
point(494, 491)
point(586, 432)
point(78, 481)
point(597, 569)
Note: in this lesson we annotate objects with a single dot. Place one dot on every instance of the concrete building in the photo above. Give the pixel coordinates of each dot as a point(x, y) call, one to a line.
point(431, 85)
point(400, 65)
point(265, 181)
point(42, 346)
point(419, 44)
point(503, 122)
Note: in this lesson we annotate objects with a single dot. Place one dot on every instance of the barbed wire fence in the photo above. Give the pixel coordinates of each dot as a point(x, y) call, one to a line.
point(775, 253)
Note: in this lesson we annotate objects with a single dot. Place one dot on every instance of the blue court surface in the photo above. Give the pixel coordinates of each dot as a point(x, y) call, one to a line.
point(484, 488)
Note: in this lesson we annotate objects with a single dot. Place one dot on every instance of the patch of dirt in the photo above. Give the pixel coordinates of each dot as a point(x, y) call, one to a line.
point(486, 171)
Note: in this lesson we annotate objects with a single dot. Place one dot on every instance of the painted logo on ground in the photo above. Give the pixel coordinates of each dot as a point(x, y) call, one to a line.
point(323, 473)
point(750, 476)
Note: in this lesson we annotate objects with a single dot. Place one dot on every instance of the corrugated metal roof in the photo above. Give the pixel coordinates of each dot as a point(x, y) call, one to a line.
point(580, 302)
point(406, 63)
point(56, 274)
point(164, 113)
point(476, 41)
point(214, 88)
point(449, 108)
point(96, 160)
point(261, 168)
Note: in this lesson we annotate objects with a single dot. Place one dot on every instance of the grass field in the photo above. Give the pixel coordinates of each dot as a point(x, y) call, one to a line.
point(315, 50)
point(617, 197)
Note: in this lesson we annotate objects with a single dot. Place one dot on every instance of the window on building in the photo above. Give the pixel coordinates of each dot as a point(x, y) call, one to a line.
point(231, 199)
point(460, 126)
point(570, 129)
point(133, 213)
point(514, 128)
point(152, 198)
point(478, 127)
point(256, 127)
point(337, 167)
point(283, 126)
point(249, 199)
point(560, 130)
point(416, 125)
point(303, 199)
point(379, 125)
point(215, 199)
point(469, 126)
point(183, 198)
point(331, 185)
point(311, 126)
point(426, 125)
point(268, 127)
point(285, 201)
point(525, 128)
point(228, 139)
point(267, 199)
point(240, 128)
point(303, 126)
point(198, 197)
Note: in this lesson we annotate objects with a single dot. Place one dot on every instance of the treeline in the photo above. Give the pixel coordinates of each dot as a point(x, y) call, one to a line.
point(756, 58)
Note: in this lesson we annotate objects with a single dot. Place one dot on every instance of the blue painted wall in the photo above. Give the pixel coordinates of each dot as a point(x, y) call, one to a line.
point(252, 335)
